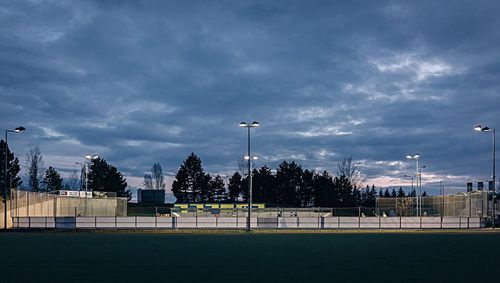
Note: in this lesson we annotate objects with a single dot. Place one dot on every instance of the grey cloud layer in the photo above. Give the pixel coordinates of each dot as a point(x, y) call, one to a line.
point(140, 82)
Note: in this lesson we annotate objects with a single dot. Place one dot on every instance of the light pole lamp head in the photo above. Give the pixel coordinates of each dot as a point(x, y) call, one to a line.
point(91, 157)
point(415, 156)
point(246, 157)
point(255, 124)
point(243, 124)
point(480, 128)
point(19, 129)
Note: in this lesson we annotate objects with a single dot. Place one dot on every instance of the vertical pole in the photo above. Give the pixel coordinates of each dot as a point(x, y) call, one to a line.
point(494, 181)
point(5, 185)
point(249, 183)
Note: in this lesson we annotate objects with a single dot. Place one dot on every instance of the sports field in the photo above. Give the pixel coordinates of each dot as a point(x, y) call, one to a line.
point(242, 257)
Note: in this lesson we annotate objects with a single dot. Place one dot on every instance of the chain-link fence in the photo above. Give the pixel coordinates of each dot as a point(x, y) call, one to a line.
point(472, 204)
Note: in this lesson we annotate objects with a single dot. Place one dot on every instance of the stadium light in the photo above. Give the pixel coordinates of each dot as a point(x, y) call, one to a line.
point(418, 176)
point(480, 128)
point(88, 157)
point(247, 157)
point(17, 130)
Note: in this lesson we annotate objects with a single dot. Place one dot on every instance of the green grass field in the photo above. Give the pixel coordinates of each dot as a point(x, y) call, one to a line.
point(242, 257)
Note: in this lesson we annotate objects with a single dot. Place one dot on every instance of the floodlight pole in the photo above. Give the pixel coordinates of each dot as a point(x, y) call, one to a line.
point(494, 179)
point(249, 221)
point(480, 128)
point(248, 126)
point(17, 130)
point(5, 182)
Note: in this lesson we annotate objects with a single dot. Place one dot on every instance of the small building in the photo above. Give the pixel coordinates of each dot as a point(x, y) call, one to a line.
point(151, 196)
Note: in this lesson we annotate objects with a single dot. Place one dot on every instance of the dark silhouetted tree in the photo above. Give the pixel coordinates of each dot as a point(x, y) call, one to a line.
point(52, 181)
point(34, 169)
point(234, 188)
point(191, 182)
point(401, 193)
point(264, 188)
point(148, 182)
point(394, 193)
point(106, 178)
point(324, 195)
point(288, 183)
point(386, 193)
point(157, 177)
point(217, 190)
point(350, 169)
point(305, 193)
point(13, 180)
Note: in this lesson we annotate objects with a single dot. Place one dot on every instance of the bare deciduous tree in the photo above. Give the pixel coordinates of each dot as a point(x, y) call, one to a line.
point(157, 176)
point(350, 169)
point(73, 181)
point(148, 181)
point(243, 166)
point(34, 169)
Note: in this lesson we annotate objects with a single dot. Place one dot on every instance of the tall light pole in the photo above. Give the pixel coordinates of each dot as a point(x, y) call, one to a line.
point(249, 126)
point(88, 158)
point(480, 128)
point(19, 129)
point(416, 157)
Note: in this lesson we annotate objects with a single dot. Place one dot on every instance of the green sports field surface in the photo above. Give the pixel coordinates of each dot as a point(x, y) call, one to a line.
point(242, 257)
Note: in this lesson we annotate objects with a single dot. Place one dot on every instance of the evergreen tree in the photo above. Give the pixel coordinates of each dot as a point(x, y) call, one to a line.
point(234, 187)
point(217, 191)
point(288, 183)
point(264, 186)
point(380, 193)
point(324, 195)
point(413, 193)
point(191, 182)
point(52, 180)
point(393, 193)
point(371, 197)
point(106, 178)
point(424, 194)
point(386, 193)
point(306, 191)
point(346, 197)
point(13, 180)
point(401, 193)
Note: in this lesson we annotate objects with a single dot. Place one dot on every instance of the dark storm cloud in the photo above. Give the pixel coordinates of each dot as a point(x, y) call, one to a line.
point(145, 81)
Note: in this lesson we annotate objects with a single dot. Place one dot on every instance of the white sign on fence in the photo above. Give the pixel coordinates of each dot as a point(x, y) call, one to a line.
point(82, 194)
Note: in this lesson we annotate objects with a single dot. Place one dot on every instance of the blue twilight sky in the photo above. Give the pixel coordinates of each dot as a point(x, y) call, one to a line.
point(144, 81)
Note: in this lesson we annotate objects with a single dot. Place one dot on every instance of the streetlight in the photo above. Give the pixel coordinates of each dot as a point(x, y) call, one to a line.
point(416, 157)
point(88, 158)
point(480, 128)
point(19, 129)
point(249, 159)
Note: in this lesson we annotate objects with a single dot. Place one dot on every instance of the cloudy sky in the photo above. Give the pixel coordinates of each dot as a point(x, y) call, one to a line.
point(144, 81)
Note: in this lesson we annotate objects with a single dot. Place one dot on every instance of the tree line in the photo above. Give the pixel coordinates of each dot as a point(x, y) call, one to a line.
point(289, 185)
point(101, 175)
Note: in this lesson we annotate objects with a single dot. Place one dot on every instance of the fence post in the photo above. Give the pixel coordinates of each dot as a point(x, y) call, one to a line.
point(359, 217)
